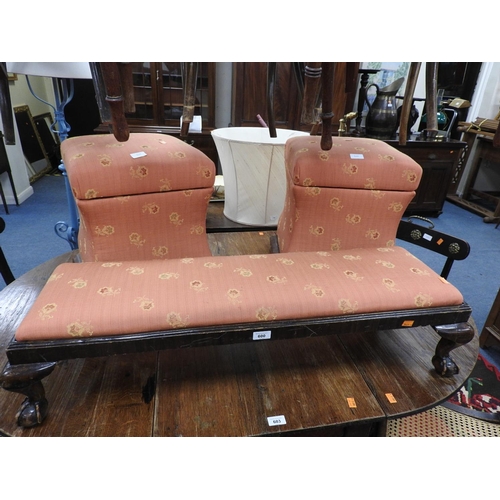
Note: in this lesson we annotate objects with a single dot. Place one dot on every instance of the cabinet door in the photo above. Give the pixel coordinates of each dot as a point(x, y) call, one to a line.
point(159, 94)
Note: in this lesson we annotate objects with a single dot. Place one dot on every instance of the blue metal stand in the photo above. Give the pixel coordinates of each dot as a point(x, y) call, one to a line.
point(63, 93)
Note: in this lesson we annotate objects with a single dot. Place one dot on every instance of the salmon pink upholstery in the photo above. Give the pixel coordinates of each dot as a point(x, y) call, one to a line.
point(141, 199)
point(98, 299)
point(352, 196)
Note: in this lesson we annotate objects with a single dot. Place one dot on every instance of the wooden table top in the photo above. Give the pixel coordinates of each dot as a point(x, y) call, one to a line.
point(345, 384)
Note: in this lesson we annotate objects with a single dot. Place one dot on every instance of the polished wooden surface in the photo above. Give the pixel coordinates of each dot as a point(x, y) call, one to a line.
point(336, 385)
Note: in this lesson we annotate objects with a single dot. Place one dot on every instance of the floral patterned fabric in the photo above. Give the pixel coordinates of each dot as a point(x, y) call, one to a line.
point(141, 199)
point(352, 196)
point(113, 298)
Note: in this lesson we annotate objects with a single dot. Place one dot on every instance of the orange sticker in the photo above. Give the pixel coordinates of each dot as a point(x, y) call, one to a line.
point(440, 241)
point(351, 402)
point(390, 397)
point(408, 322)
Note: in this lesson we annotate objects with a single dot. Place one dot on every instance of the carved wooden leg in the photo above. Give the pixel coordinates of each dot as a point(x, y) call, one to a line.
point(452, 336)
point(27, 380)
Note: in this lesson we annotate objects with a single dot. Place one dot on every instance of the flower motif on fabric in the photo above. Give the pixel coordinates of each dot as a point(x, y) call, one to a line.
point(139, 172)
point(212, 265)
point(276, 280)
point(385, 263)
point(370, 183)
point(323, 156)
point(105, 160)
point(111, 264)
point(348, 307)
point(80, 329)
point(385, 249)
point(175, 219)
point(104, 230)
point(136, 239)
point(410, 175)
point(335, 245)
point(386, 157)
point(175, 320)
point(198, 286)
point(361, 149)
point(390, 285)
point(47, 310)
point(377, 194)
point(144, 303)
point(165, 185)
point(324, 254)
point(336, 204)
point(372, 234)
point(423, 300)
point(233, 296)
point(317, 231)
point(160, 251)
point(135, 270)
point(205, 172)
point(187, 260)
point(179, 155)
point(316, 291)
point(285, 261)
point(91, 194)
point(167, 276)
point(395, 206)
point(108, 291)
point(313, 191)
point(257, 256)
point(302, 150)
point(353, 275)
point(189, 192)
point(266, 313)
point(78, 156)
point(419, 272)
point(352, 257)
point(55, 277)
point(319, 265)
point(123, 199)
point(246, 273)
point(353, 218)
point(151, 208)
point(198, 230)
point(307, 182)
point(78, 283)
point(350, 169)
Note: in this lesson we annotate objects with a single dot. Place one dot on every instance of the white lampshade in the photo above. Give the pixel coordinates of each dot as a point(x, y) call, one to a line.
point(51, 69)
point(253, 167)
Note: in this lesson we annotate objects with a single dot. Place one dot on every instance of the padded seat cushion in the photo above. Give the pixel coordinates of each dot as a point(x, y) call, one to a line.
point(114, 298)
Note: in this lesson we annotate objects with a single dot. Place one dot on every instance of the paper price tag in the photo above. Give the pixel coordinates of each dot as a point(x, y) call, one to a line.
point(427, 237)
point(351, 402)
point(390, 398)
point(277, 420)
point(139, 154)
point(357, 156)
point(408, 322)
point(265, 335)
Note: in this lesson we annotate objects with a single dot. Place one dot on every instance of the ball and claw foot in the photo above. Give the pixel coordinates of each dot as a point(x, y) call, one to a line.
point(452, 336)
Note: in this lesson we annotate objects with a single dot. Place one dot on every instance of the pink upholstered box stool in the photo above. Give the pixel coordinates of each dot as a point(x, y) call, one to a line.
point(352, 196)
point(141, 199)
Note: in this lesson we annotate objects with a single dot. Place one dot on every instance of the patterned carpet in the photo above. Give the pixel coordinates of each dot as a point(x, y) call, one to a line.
point(441, 422)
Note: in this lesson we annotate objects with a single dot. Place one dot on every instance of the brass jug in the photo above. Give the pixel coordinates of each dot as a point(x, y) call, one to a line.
point(382, 117)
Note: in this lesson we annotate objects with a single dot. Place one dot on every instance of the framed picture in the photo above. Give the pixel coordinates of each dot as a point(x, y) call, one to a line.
point(32, 144)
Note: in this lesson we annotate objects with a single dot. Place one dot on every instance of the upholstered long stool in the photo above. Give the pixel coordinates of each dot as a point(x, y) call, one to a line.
point(100, 309)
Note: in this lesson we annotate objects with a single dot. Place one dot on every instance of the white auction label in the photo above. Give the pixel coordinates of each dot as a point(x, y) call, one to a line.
point(139, 154)
point(278, 420)
point(357, 156)
point(265, 335)
point(427, 237)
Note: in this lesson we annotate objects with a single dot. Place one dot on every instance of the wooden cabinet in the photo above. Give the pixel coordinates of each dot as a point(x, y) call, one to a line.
point(439, 161)
point(159, 94)
point(250, 94)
